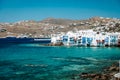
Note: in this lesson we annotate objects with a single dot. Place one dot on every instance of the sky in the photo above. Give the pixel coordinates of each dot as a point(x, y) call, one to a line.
point(17, 10)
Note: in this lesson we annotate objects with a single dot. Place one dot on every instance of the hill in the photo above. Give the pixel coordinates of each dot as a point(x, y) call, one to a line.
point(50, 26)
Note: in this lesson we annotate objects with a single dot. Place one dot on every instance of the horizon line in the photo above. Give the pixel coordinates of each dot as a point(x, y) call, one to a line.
point(57, 18)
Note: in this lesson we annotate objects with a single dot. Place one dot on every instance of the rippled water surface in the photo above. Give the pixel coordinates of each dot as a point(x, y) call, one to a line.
point(36, 62)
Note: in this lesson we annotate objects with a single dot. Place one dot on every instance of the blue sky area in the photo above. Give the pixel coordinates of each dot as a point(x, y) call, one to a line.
point(17, 10)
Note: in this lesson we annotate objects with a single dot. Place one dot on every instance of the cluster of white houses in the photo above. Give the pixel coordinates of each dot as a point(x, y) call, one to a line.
point(87, 38)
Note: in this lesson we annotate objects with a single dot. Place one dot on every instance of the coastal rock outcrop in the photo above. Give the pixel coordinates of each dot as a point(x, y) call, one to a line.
point(107, 74)
point(55, 44)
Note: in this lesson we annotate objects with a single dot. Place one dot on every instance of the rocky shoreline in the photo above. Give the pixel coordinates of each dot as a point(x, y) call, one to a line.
point(107, 74)
point(56, 44)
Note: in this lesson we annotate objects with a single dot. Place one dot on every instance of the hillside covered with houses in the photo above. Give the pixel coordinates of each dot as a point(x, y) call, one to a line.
point(48, 26)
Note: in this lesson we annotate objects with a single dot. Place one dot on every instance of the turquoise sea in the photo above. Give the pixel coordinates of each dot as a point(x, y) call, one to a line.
point(36, 62)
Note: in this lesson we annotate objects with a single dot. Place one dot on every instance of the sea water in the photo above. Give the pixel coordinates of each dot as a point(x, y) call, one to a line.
point(37, 62)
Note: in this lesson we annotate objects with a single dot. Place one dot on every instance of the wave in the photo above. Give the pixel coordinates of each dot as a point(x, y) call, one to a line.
point(75, 59)
point(91, 58)
point(67, 59)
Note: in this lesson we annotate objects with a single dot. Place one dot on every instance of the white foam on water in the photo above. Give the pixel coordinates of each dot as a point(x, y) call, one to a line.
point(91, 58)
point(36, 65)
point(58, 58)
point(65, 59)
point(73, 67)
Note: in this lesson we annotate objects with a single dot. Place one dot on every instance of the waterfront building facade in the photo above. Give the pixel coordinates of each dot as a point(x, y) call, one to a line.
point(88, 38)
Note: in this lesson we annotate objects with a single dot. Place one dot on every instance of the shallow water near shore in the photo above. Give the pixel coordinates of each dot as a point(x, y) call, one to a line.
point(36, 62)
